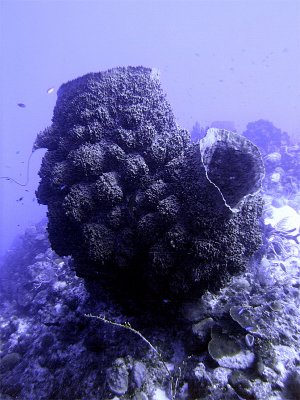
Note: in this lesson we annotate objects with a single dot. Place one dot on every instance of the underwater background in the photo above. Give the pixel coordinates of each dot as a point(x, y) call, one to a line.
point(150, 200)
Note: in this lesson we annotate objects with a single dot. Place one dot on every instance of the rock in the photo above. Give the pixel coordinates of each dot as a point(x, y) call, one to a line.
point(202, 329)
point(241, 284)
point(199, 383)
point(117, 377)
point(138, 373)
point(267, 374)
point(247, 318)
point(23, 297)
point(242, 385)
point(275, 178)
point(284, 218)
point(9, 361)
point(285, 358)
point(220, 376)
point(160, 394)
point(228, 353)
point(40, 257)
point(274, 157)
point(264, 274)
point(292, 385)
point(140, 396)
point(265, 390)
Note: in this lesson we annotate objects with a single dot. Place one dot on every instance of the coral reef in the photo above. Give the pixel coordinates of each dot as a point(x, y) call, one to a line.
point(241, 343)
point(134, 201)
point(266, 136)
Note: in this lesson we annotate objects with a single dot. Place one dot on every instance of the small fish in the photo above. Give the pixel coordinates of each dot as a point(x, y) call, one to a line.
point(20, 199)
point(282, 266)
point(241, 311)
point(249, 340)
point(21, 105)
point(249, 328)
point(18, 152)
point(50, 90)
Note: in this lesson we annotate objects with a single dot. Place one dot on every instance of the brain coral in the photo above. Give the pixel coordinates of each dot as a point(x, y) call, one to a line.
point(131, 198)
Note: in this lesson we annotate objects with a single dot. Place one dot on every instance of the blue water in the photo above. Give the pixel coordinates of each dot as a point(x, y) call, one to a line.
point(230, 65)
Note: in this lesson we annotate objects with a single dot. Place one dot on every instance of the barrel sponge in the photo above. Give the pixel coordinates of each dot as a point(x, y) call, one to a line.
point(156, 153)
point(150, 228)
point(108, 190)
point(79, 203)
point(135, 168)
point(125, 138)
point(157, 191)
point(99, 242)
point(88, 159)
point(169, 208)
point(128, 194)
point(61, 173)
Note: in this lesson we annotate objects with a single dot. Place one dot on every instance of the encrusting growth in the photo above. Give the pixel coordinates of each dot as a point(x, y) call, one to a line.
point(133, 200)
